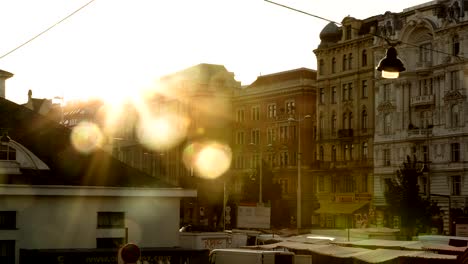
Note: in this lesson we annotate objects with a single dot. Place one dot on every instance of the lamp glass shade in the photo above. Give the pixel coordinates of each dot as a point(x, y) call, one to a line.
point(391, 65)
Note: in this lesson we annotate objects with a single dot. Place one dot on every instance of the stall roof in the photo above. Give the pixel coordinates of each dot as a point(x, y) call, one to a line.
point(340, 208)
point(382, 243)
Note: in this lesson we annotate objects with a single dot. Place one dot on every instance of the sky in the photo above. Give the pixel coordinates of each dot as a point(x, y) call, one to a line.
point(113, 48)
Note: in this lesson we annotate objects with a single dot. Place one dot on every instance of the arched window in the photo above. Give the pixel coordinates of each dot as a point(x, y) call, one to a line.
point(345, 152)
point(364, 151)
point(322, 154)
point(333, 153)
point(345, 62)
point(455, 116)
point(364, 119)
point(333, 124)
point(333, 65)
point(364, 58)
point(321, 67)
point(350, 61)
point(387, 123)
point(345, 120)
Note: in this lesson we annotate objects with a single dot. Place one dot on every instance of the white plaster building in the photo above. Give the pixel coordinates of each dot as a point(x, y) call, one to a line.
point(422, 114)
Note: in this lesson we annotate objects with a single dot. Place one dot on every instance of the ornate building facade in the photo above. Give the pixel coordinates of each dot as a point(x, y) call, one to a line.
point(422, 114)
point(345, 118)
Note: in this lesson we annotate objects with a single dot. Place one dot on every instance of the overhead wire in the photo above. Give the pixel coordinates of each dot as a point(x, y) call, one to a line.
point(389, 41)
point(46, 30)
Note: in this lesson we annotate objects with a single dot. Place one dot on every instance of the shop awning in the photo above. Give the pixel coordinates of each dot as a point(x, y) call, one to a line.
point(340, 208)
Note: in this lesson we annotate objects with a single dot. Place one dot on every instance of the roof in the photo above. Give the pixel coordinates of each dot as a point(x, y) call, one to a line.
point(340, 208)
point(295, 74)
point(381, 243)
point(50, 142)
point(5, 74)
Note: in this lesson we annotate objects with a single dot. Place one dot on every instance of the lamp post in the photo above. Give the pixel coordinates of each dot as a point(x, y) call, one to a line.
point(299, 188)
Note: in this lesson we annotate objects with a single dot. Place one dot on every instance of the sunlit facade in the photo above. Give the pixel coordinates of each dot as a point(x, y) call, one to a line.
point(268, 118)
point(345, 130)
point(422, 114)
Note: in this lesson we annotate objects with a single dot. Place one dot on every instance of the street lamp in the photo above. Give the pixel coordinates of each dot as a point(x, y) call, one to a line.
point(299, 191)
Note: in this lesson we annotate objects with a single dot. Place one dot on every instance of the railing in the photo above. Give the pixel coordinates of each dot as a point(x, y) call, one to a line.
point(422, 100)
point(419, 132)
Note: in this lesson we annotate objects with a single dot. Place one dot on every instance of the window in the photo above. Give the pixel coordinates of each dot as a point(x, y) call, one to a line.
point(333, 153)
point(425, 153)
point(333, 124)
point(364, 58)
point(321, 183)
point(454, 80)
point(345, 121)
point(284, 185)
point(425, 119)
point(364, 120)
point(271, 158)
point(7, 251)
point(7, 153)
point(351, 151)
point(350, 91)
point(111, 220)
point(322, 96)
point(255, 161)
point(425, 86)
point(272, 110)
point(293, 132)
point(345, 92)
point(365, 151)
point(290, 107)
point(333, 65)
point(455, 45)
point(109, 242)
point(284, 159)
point(350, 120)
point(7, 220)
point(345, 152)
point(455, 116)
point(334, 98)
point(345, 62)
point(240, 115)
point(364, 89)
point(321, 125)
point(423, 184)
point(283, 133)
point(350, 61)
point(348, 32)
point(240, 162)
point(255, 136)
point(348, 184)
point(386, 157)
point(321, 153)
point(456, 185)
point(387, 123)
point(455, 152)
point(240, 138)
point(256, 113)
point(321, 67)
point(364, 179)
point(425, 52)
point(271, 135)
point(386, 92)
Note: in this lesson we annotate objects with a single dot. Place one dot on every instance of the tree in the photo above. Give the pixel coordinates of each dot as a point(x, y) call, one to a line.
point(403, 199)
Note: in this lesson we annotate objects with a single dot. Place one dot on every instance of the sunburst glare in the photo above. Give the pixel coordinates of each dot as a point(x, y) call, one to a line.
point(162, 132)
point(208, 160)
point(86, 137)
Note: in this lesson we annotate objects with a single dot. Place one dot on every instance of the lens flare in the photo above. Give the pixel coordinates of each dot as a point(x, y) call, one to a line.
point(86, 137)
point(208, 160)
point(163, 132)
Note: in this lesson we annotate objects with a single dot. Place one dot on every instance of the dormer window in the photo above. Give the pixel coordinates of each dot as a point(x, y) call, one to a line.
point(7, 153)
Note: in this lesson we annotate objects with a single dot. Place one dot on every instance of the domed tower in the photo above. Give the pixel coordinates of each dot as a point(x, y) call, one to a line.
point(329, 35)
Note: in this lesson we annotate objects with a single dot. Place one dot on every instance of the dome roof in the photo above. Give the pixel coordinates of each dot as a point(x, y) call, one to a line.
point(330, 33)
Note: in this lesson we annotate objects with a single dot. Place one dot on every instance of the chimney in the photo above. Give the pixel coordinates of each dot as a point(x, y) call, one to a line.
point(3, 76)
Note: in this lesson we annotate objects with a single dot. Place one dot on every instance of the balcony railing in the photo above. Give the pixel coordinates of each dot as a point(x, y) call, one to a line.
point(419, 132)
point(422, 100)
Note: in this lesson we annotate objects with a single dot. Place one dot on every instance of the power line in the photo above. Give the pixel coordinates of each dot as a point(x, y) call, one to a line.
point(373, 34)
point(47, 29)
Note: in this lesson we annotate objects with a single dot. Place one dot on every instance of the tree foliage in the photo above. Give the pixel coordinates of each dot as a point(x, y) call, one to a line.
point(403, 199)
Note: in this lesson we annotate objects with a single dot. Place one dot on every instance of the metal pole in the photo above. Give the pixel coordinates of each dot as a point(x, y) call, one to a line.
point(299, 196)
point(224, 205)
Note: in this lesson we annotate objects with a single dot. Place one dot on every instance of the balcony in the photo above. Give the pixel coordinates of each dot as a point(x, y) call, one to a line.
point(419, 133)
point(422, 100)
point(343, 133)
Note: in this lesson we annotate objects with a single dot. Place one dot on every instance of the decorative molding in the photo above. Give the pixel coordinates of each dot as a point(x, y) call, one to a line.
point(454, 95)
point(386, 107)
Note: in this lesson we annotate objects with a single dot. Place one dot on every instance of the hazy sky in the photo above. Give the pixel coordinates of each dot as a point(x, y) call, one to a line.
point(114, 47)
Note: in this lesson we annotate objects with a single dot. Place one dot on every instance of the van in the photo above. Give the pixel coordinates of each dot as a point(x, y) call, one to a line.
point(249, 256)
